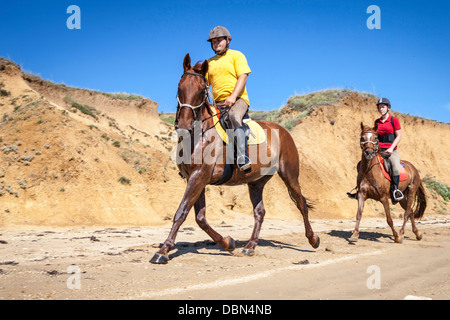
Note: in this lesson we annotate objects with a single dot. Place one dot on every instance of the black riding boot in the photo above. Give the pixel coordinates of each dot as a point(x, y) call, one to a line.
point(397, 195)
point(242, 159)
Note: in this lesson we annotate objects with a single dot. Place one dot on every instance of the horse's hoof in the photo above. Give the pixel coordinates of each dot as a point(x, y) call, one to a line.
point(231, 244)
point(317, 244)
point(419, 236)
point(159, 259)
point(353, 239)
point(399, 240)
point(248, 252)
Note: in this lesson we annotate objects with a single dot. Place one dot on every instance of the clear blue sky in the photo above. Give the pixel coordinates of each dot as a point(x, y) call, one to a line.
point(293, 47)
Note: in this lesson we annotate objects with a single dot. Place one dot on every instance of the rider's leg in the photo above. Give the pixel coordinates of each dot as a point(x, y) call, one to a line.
point(236, 113)
point(394, 159)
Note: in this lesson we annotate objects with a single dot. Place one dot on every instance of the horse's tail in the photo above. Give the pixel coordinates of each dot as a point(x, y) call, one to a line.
point(308, 204)
point(421, 202)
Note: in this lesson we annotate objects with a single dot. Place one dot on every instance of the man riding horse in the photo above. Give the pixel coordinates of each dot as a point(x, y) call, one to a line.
point(227, 74)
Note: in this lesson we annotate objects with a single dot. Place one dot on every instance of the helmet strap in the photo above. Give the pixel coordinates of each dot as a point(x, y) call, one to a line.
point(224, 51)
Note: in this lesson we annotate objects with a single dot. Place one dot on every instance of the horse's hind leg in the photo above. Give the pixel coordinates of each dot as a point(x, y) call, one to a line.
point(414, 228)
point(289, 173)
point(385, 202)
point(256, 196)
point(407, 204)
point(200, 210)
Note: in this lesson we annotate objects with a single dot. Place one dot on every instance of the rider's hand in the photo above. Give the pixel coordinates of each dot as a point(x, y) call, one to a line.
point(389, 151)
point(230, 101)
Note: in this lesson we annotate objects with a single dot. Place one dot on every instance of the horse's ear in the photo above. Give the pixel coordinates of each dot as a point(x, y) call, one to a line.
point(375, 128)
point(186, 62)
point(362, 126)
point(205, 67)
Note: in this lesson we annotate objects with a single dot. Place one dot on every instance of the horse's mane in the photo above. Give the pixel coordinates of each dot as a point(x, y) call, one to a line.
point(198, 67)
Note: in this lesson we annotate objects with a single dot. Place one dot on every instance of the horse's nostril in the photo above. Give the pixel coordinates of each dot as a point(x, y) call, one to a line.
point(369, 154)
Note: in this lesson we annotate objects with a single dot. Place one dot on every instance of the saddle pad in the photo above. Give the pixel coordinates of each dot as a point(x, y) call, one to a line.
point(403, 172)
point(257, 134)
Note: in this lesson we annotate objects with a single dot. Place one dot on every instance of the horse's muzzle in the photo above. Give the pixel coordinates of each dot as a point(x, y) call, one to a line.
point(369, 154)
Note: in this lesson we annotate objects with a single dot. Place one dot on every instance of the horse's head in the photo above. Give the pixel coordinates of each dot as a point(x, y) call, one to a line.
point(369, 141)
point(192, 94)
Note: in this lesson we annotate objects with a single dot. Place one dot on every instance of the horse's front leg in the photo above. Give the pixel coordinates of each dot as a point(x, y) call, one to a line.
point(226, 243)
point(385, 202)
point(361, 200)
point(194, 189)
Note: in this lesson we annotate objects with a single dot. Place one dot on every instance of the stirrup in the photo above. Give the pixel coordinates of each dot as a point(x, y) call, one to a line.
point(246, 165)
point(400, 197)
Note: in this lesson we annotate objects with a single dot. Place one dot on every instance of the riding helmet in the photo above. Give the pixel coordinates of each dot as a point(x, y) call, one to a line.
point(384, 101)
point(218, 32)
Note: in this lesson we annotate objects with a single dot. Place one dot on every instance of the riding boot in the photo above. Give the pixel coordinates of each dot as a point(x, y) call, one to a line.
point(397, 195)
point(242, 159)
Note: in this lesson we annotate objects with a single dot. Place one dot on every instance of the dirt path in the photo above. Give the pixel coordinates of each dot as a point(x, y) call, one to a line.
point(112, 263)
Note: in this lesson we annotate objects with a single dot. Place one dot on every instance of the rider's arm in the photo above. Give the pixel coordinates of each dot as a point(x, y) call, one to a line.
point(398, 137)
point(238, 89)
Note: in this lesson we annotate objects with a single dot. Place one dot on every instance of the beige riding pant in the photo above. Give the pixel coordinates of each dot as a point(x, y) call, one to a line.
point(394, 160)
point(237, 112)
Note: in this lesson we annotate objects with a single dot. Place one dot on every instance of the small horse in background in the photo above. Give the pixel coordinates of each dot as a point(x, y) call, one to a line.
point(194, 120)
point(372, 184)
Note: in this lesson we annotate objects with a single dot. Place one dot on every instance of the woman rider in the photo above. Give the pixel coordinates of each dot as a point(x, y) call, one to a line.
point(389, 135)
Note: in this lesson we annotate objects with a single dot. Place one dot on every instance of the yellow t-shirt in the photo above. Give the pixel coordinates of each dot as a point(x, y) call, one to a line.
point(223, 72)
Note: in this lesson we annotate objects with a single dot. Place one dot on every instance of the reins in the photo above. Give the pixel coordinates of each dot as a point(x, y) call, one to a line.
point(206, 98)
point(369, 167)
point(206, 89)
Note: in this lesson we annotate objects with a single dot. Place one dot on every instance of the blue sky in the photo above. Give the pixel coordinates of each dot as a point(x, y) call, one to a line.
point(292, 47)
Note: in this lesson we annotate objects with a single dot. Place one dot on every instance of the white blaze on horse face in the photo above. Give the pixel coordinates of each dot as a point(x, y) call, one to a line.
point(367, 136)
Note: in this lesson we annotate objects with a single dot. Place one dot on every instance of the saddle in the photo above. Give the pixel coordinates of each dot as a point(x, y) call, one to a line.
point(256, 132)
point(387, 170)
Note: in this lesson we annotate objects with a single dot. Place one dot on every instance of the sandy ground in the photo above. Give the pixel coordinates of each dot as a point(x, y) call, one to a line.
point(112, 263)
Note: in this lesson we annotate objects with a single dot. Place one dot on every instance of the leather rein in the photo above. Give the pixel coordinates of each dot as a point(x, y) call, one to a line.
point(206, 98)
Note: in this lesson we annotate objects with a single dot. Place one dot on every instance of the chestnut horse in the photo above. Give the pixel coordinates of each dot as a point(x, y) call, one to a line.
point(372, 184)
point(194, 121)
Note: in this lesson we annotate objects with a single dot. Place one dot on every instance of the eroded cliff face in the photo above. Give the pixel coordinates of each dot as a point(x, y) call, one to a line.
point(80, 157)
point(328, 144)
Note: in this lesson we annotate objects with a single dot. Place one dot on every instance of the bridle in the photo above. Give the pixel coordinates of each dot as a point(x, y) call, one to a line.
point(205, 93)
point(206, 98)
point(363, 144)
point(374, 143)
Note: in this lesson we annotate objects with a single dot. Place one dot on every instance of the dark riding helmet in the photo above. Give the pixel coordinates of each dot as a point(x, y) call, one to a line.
point(219, 32)
point(384, 101)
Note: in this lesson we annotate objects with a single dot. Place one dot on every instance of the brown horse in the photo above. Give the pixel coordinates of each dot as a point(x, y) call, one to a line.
point(372, 184)
point(204, 160)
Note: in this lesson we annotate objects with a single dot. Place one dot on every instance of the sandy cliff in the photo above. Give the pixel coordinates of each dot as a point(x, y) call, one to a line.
point(80, 157)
